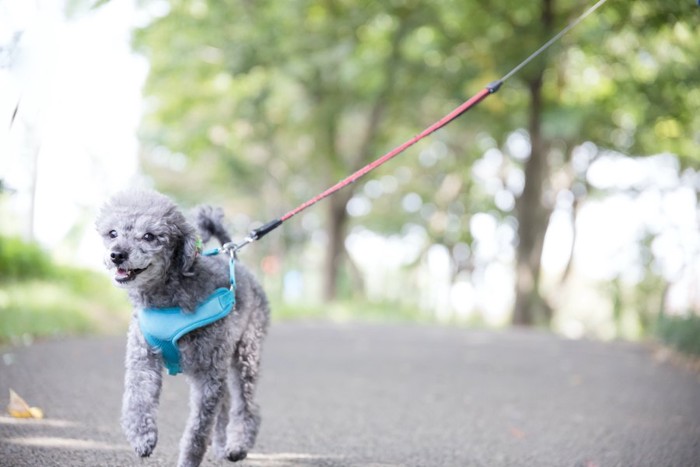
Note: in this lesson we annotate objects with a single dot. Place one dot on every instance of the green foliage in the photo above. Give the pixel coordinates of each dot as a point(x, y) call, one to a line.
point(321, 91)
point(20, 260)
point(40, 308)
point(72, 302)
point(40, 298)
point(681, 333)
point(270, 102)
point(348, 311)
point(641, 63)
point(260, 105)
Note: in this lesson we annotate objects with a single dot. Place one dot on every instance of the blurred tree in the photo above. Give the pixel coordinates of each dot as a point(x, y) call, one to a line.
point(628, 92)
point(622, 81)
point(274, 101)
point(238, 87)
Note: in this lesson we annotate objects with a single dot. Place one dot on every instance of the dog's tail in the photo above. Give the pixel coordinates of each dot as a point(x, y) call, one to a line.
point(210, 223)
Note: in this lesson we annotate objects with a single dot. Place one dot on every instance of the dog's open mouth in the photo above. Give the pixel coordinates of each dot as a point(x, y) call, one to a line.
point(125, 275)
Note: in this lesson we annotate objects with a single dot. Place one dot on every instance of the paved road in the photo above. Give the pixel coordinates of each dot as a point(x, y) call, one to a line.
point(366, 395)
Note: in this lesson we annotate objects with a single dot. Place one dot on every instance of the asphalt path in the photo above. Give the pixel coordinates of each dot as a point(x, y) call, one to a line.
point(381, 395)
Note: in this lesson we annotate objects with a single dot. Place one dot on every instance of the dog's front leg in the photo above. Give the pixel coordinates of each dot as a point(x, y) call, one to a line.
point(142, 384)
point(206, 393)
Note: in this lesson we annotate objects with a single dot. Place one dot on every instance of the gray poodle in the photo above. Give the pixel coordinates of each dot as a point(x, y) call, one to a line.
point(154, 254)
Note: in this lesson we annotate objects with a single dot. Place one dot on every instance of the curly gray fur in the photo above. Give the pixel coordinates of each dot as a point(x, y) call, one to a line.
point(152, 251)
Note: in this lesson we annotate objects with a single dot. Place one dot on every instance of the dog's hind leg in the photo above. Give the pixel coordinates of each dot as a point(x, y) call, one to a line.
point(219, 438)
point(237, 440)
point(206, 392)
point(244, 418)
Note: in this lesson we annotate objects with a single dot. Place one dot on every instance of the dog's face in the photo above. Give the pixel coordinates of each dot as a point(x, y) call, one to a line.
point(146, 239)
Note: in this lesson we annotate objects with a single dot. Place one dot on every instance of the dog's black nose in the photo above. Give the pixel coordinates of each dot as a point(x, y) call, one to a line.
point(118, 257)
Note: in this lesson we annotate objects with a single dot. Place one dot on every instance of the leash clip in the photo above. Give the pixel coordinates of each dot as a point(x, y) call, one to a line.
point(233, 248)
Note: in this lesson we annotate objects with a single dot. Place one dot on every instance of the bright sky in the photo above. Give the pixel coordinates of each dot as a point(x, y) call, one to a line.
point(79, 91)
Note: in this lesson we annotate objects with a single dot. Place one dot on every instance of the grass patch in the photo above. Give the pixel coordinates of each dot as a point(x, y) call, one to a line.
point(681, 333)
point(71, 302)
point(39, 308)
point(20, 260)
point(355, 311)
point(39, 298)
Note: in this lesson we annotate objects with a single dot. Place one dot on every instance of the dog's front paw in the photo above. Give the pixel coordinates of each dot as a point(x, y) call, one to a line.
point(145, 443)
point(236, 455)
point(230, 454)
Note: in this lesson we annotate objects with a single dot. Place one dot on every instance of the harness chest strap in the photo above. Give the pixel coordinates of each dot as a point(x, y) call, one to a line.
point(162, 327)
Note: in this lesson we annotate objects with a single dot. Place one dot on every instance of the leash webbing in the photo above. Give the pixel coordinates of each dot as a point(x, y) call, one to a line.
point(491, 88)
point(481, 95)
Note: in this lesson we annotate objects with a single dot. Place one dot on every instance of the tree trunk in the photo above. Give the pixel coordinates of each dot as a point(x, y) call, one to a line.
point(533, 217)
point(335, 249)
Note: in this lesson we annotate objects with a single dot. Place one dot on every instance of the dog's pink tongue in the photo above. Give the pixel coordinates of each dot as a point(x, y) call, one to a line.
point(122, 272)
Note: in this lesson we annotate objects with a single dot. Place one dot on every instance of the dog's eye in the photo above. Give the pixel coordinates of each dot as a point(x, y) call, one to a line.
point(113, 234)
point(149, 237)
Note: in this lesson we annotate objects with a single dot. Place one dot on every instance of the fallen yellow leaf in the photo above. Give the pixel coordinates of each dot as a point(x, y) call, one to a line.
point(18, 408)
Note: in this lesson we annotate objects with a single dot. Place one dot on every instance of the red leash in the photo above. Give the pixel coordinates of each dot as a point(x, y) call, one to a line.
point(260, 232)
point(480, 96)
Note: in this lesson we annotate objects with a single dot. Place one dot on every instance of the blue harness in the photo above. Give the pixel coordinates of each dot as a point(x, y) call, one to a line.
point(162, 327)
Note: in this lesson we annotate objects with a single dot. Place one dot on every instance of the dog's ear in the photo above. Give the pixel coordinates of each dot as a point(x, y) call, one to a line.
point(188, 248)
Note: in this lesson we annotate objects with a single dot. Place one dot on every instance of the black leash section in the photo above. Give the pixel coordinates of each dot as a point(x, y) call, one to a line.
point(492, 88)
